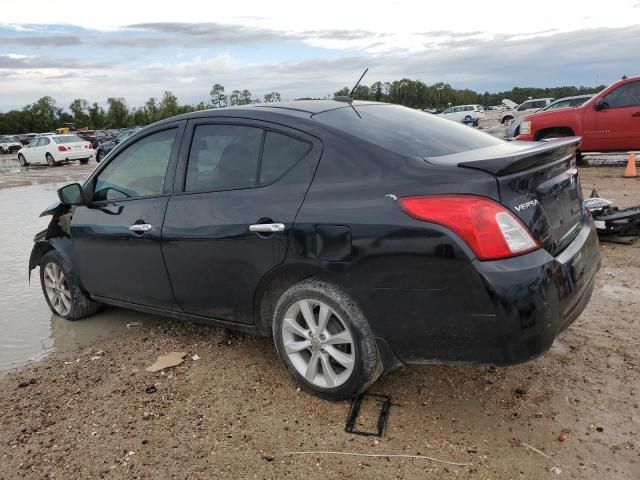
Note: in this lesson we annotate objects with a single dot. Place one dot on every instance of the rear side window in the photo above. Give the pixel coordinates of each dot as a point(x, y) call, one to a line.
point(280, 153)
point(67, 139)
point(223, 157)
point(406, 131)
point(137, 171)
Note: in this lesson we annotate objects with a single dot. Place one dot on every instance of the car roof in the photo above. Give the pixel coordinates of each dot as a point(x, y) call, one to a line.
point(299, 108)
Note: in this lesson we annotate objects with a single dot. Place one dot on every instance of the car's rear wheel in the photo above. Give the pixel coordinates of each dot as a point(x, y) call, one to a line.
point(506, 120)
point(50, 160)
point(22, 161)
point(61, 289)
point(324, 340)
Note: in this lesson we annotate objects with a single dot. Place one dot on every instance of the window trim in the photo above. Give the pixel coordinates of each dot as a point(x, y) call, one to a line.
point(181, 175)
point(89, 184)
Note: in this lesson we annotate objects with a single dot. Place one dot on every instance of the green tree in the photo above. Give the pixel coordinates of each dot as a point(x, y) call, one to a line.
point(272, 97)
point(245, 97)
point(169, 105)
point(80, 111)
point(117, 112)
point(234, 98)
point(97, 116)
point(218, 98)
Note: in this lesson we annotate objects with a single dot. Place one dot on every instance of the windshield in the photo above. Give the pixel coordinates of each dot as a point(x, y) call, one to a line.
point(67, 139)
point(405, 131)
point(7, 139)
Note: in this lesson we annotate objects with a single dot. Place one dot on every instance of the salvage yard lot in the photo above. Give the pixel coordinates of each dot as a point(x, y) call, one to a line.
point(234, 412)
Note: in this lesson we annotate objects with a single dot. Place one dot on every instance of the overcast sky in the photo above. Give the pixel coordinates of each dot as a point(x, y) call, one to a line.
point(136, 49)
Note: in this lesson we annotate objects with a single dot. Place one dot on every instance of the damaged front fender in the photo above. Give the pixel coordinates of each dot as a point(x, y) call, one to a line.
point(56, 235)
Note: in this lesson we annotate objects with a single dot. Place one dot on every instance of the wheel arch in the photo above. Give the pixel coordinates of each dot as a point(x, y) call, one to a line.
point(560, 130)
point(43, 245)
point(271, 288)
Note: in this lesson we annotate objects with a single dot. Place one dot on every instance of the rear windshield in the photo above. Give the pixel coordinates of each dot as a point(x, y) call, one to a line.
point(67, 139)
point(405, 131)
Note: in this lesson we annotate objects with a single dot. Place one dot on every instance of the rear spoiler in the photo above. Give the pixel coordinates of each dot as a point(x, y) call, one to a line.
point(512, 157)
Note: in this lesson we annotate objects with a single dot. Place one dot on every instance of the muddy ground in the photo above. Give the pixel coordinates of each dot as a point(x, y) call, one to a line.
point(234, 412)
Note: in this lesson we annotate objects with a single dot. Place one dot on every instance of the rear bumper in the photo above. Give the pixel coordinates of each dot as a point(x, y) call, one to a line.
point(499, 312)
point(73, 155)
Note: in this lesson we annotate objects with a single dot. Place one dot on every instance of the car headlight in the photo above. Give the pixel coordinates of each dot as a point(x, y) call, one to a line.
point(525, 128)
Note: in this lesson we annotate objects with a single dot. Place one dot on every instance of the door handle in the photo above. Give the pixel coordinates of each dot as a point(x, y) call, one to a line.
point(140, 227)
point(635, 114)
point(267, 227)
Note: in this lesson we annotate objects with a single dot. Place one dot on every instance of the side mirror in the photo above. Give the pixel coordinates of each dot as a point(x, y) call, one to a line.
point(601, 104)
point(71, 194)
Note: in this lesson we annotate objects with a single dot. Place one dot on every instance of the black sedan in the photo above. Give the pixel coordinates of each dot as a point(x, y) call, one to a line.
point(360, 235)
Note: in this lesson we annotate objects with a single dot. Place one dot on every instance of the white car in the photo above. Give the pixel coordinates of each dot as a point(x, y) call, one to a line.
point(8, 144)
point(525, 108)
point(55, 149)
point(468, 114)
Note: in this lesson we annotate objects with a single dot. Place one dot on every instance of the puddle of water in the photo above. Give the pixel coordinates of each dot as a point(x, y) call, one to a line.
point(28, 329)
point(8, 163)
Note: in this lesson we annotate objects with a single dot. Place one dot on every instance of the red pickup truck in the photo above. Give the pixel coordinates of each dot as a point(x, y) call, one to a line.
point(610, 121)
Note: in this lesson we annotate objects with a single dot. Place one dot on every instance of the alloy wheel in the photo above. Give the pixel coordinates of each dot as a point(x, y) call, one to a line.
point(57, 288)
point(318, 343)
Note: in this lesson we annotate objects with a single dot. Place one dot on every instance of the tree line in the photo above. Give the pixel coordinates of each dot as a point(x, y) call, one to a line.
point(416, 94)
point(45, 115)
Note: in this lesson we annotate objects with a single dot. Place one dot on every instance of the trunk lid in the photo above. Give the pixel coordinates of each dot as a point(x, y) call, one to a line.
point(537, 181)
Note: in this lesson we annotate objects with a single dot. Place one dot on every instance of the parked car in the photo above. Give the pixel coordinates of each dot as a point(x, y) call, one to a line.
point(524, 108)
point(608, 122)
point(274, 220)
point(54, 149)
point(513, 128)
point(9, 144)
point(26, 138)
point(106, 147)
point(95, 137)
point(468, 114)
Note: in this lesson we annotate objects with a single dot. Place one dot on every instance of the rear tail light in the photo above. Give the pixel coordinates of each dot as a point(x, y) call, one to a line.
point(489, 229)
point(90, 146)
point(62, 148)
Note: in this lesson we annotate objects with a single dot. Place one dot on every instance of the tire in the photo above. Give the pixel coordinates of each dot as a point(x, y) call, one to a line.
point(3, 151)
point(84, 161)
point(468, 118)
point(61, 288)
point(99, 156)
point(22, 161)
point(50, 161)
point(351, 358)
point(506, 119)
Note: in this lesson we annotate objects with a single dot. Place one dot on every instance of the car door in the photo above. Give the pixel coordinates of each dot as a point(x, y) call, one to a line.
point(116, 237)
point(30, 151)
point(615, 119)
point(241, 184)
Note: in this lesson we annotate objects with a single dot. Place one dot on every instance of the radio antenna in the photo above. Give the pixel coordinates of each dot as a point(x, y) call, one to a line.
point(349, 98)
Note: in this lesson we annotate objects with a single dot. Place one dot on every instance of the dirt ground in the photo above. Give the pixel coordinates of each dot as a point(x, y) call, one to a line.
point(232, 411)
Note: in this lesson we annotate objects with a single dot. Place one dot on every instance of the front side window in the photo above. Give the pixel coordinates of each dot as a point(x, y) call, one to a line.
point(280, 153)
point(223, 157)
point(139, 170)
point(627, 95)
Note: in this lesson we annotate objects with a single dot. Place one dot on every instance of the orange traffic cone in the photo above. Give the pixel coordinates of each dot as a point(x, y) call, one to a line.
point(630, 171)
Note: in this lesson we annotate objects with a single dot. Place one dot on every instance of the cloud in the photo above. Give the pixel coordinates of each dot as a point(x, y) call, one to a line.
point(477, 61)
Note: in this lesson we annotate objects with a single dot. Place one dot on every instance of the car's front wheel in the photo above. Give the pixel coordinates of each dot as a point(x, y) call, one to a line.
point(22, 161)
point(61, 289)
point(324, 340)
point(3, 151)
point(99, 156)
